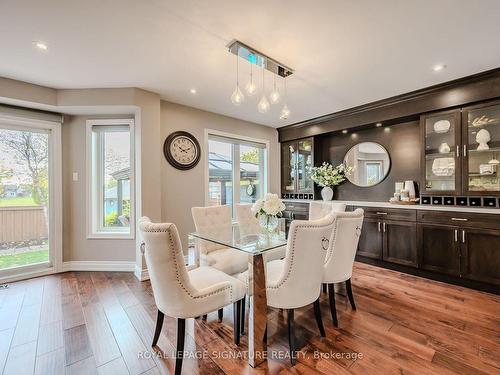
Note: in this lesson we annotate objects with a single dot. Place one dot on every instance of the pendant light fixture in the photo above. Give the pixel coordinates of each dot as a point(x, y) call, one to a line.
point(263, 105)
point(254, 57)
point(285, 111)
point(251, 88)
point(275, 94)
point(237, 97)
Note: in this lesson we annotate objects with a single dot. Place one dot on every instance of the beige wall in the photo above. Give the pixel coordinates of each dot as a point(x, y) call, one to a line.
point(182, 190)
point(76, 246)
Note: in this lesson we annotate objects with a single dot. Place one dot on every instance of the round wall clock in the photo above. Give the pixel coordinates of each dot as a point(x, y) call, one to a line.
point(182, 150)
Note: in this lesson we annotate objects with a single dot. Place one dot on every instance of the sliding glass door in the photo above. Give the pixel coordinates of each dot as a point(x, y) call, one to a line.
point(26, 197)
point(237, 170)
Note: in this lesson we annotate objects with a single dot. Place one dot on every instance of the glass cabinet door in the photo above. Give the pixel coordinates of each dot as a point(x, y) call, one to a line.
point(304, 166)
point(442, 152)
point(482, 148)
point(288, 166)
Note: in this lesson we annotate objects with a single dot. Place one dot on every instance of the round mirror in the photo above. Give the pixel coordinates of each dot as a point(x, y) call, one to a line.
point(370, 163)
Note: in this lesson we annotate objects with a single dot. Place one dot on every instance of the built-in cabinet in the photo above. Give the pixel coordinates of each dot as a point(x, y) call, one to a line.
point(297, 161)
point(459, 245)
point(389, 234)
point(460, 154)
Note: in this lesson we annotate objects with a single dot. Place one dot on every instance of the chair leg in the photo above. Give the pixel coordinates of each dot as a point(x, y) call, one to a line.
point(319, 320)
point(243, 310)
point(181, 333)
point(204, 317)
point(333, 309)
point(324, 288)
point(220, 313)
point(159, 324)
point(237, 321)
point(349, 293)
point(291, 337)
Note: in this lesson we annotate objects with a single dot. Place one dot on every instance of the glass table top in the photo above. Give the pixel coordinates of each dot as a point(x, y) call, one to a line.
point(251, 239)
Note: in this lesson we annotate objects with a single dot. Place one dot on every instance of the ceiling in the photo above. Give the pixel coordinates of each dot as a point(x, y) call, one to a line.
point(345, 53)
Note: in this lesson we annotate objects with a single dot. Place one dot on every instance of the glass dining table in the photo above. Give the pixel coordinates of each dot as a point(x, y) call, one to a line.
point(255, 241)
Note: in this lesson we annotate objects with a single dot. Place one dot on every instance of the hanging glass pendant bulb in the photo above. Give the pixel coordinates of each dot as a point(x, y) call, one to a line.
point(275, 94)
point(251, 88)
point(285, 111)
point(263, 105)
point(237, 97)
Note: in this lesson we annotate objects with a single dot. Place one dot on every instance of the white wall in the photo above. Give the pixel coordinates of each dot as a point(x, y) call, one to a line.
point(182, 190)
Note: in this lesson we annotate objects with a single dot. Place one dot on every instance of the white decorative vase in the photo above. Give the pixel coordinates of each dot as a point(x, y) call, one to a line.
point(327, 193)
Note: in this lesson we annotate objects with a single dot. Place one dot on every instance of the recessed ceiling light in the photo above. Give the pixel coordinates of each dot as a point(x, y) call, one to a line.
point(344, 131)
point(378, 124)
point(41, 45)
point(192, 91)
point(439, 67)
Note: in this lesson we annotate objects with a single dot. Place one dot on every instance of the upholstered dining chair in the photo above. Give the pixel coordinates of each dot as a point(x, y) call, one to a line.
point(217, 219)
point(319, 209)
point(295, 281)
point(340, 255)
point(181, 293)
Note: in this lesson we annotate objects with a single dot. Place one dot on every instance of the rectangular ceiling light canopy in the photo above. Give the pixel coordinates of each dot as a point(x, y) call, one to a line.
point(258, 58)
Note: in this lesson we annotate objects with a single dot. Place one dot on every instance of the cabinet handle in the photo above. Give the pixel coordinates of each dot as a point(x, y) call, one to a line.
point(384, 226)
point(458, 219)
point(463, 236)
point(456, 235)
point(458, 151)
point(381, 213)
point(465, 151)
point(379, 226)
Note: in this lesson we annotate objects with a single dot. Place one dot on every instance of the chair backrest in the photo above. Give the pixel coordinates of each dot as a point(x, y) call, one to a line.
point(215, 219)
point(247, 222)
point(343, 245)
point(302, 276)
point(167, 270)
point(319, 209)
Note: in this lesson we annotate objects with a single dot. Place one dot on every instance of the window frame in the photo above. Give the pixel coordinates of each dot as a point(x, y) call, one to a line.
point(95, 229)
point(236, 162)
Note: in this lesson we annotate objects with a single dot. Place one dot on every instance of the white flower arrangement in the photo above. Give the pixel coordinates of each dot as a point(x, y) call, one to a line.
point(270, 205)
point(328, 175)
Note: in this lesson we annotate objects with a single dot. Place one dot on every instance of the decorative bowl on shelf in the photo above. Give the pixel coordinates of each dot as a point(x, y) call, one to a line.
point(443, 167)
point(442, 126)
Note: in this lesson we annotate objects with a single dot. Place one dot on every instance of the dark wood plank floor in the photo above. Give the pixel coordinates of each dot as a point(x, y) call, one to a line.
point(103, 323)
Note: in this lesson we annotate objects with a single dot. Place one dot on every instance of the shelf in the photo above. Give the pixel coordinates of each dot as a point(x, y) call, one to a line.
point(491, 149)
point(493, 175)
point(435, 155)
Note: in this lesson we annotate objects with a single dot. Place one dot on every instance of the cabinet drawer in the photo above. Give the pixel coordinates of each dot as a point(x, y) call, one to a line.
point(297, 206)
point(462, 219)
point(390, 213)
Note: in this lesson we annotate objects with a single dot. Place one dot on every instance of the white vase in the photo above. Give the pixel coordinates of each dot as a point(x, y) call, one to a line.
point(327, 193)
point(268, 222)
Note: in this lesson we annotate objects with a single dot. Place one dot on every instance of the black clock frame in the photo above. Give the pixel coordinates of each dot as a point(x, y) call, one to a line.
point(170, 158)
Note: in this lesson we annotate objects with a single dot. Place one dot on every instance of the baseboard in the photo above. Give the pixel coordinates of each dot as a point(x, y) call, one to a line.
point(91, 265)
point(141, 275)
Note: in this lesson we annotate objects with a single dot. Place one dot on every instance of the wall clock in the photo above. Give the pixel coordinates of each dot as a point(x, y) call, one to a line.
point(182, 150)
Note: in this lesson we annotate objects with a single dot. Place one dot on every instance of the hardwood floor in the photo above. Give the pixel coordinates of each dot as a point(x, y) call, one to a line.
point(103, 323)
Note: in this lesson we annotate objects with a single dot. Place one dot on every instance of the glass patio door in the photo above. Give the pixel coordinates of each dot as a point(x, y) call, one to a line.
point(26, 194)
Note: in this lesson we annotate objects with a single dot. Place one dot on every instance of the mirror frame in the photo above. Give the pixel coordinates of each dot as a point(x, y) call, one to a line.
point(388, 170)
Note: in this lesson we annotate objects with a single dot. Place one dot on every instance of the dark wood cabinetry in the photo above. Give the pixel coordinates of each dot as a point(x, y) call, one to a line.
point(480, 249)
point(439, 248)
point(452, 246)
point(389, 234)
point(400, 242)
point(297, 160)
point(370, 241)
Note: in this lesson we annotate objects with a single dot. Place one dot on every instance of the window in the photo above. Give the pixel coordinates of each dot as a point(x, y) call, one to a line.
point(237, 170)
point(111, 178)
point(373, 172)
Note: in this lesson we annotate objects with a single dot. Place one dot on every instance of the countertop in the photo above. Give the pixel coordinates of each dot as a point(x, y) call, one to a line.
point(427, 207)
